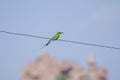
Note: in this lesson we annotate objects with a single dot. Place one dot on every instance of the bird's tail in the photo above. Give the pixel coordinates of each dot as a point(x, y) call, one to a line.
point(42, 47)
point(45, 44)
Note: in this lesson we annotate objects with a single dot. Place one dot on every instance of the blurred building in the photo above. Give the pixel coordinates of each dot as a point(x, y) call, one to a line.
point(46, 67)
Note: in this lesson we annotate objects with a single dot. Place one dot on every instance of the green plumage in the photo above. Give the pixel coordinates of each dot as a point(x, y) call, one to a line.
point(55, 37)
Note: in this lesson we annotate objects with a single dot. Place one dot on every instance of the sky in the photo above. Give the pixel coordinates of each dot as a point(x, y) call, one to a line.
point(90, 21)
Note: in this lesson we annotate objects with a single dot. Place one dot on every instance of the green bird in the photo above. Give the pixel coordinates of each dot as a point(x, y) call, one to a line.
point(55, 37)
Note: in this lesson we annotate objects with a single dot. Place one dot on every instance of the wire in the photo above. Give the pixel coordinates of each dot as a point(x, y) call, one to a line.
point(24, 34)
point(28, 35)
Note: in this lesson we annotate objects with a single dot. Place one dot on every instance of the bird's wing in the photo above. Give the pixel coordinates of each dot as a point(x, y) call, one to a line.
point(55, 37)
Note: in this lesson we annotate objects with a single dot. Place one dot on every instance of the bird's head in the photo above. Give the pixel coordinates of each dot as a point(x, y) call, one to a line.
point(60, 32)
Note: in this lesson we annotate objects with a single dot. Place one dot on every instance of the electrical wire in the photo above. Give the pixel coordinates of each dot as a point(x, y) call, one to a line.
point(89, 44)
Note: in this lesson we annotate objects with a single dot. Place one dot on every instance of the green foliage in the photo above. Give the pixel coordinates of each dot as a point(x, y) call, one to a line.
point(61, 77)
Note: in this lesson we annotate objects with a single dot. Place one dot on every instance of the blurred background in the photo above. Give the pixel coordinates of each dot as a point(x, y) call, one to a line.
point(90, 21)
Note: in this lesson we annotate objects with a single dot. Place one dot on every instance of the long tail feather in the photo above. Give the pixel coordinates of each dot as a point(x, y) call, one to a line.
point(42, 47)
point(45, 44)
